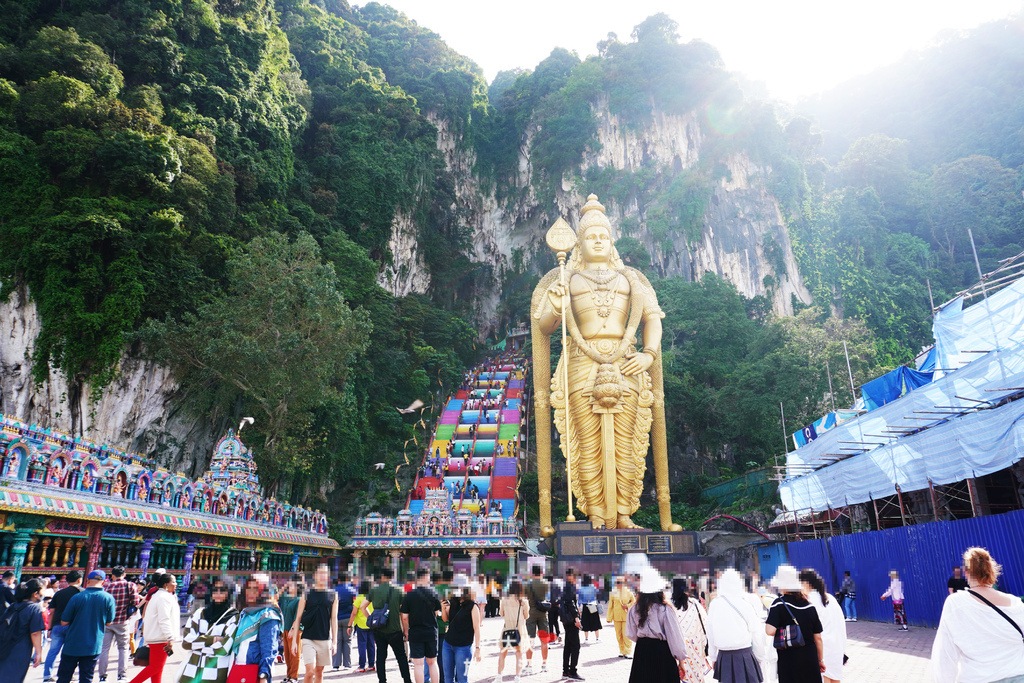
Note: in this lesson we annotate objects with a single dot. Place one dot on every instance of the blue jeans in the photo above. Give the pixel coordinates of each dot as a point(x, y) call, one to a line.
point(367, 647)
point(456, 663)
point(86, 665)
point(850, 607)
point(56, 643)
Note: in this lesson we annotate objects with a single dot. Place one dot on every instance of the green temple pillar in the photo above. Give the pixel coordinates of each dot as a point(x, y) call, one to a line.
point(225, 556)
point(20, 549)
point(264, 559)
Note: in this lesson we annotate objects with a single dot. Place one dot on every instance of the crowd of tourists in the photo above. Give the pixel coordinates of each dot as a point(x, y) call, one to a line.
point(729, 628)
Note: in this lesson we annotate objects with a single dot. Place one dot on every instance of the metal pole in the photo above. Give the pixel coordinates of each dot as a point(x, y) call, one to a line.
point(785, 437)
point(935, 502)
point(831, 395)
point(899, 497)
point(853, 391)
point(977, 264)
point(931, 300)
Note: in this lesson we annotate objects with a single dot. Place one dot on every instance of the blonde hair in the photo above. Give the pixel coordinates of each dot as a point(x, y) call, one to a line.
point(980, 565)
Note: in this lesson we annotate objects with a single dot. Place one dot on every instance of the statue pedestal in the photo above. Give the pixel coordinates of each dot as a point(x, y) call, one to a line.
point(602, 551)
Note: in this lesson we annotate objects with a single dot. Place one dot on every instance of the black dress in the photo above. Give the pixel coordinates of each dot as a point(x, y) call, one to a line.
point(797, 664)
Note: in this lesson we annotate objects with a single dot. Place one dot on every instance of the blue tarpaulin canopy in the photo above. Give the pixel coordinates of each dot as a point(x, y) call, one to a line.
point(892, 385)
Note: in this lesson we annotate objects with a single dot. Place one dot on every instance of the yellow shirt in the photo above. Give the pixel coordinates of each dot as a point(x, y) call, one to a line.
point(619, 603)
point(360, 620)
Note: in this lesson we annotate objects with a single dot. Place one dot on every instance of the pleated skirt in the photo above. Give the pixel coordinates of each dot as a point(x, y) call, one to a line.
point(737, 666)
point(653, 662)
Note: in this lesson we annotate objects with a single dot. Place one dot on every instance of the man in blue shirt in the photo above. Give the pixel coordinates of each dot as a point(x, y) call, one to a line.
point(346, 598)
point(85, 617)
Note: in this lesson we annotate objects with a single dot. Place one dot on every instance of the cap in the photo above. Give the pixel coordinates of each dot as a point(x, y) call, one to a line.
point(97, 575)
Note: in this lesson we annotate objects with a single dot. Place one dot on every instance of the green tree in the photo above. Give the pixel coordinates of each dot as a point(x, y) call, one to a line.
point(281, 340)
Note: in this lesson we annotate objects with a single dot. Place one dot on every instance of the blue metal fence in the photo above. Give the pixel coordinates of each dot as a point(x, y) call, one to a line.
point(923, 554)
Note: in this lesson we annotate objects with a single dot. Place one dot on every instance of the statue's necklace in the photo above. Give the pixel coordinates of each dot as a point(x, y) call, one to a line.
point(601, 294)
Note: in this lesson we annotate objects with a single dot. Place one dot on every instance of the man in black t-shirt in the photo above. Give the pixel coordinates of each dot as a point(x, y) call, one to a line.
point(420, 608)
point(956, 582)
point(318, 616)
point(569, 608)
point(57, 605)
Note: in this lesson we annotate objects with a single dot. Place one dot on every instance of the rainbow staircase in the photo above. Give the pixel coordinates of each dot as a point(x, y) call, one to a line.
point(485, 443)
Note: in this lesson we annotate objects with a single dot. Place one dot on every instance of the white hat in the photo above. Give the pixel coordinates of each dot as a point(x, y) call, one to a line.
point(651, 581)
point(787, 578)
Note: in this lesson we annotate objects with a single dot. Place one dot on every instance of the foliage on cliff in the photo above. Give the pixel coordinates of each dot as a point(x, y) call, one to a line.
point(160, 162)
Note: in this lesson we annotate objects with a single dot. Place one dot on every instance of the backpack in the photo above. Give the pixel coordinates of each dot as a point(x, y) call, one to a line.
point(379, 616)
point(12, 628)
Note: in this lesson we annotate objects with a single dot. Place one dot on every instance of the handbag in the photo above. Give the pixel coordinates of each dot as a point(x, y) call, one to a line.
point(590, 607)
point(244, 673)
point(510, 638)
point(790, 636)
point(379, 617)
point(141, 657)
point(1001, 612)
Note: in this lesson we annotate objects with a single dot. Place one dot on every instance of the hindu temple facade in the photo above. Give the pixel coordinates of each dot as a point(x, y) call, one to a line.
point(67, 503)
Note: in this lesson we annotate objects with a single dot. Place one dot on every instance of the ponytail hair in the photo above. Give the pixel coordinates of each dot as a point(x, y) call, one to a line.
point(814, 580)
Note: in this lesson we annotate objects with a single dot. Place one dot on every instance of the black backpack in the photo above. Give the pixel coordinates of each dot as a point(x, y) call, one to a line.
point(12, 628)
point(379, 617)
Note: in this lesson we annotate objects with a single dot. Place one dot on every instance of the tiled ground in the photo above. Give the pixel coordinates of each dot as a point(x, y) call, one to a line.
point(878, 654)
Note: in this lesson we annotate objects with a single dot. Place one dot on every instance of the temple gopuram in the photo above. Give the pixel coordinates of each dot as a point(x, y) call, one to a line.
point(67, 503)
point(463, 502)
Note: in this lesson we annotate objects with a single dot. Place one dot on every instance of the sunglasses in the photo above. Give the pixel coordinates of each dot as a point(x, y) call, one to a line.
point(220, 589)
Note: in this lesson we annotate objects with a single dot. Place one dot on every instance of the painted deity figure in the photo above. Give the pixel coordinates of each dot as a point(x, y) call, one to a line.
point(605, 425)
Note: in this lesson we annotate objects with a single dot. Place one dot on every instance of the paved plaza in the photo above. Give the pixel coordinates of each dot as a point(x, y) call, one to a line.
point(878, 654)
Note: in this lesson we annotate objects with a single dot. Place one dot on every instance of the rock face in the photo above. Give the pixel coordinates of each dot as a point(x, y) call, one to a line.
point(143, 411)
point(741, 224)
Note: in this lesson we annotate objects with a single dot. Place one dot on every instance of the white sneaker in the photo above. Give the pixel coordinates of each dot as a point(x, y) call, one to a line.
point(544, 667)
point(854, 619)
point(499, 679)
point(527, 671)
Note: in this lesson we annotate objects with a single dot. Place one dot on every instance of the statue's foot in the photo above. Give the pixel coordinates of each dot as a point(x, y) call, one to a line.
point(624, 522)
point(597, 521)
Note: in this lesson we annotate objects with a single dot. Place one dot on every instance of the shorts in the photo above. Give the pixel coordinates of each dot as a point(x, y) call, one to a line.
point(418, 649)
point(316, 652)
point(537, 620)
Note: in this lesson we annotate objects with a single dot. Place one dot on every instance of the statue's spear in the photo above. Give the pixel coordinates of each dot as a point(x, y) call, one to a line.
point(560, 239)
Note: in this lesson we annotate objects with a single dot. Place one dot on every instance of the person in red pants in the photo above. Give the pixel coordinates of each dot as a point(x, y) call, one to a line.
point(161, 626)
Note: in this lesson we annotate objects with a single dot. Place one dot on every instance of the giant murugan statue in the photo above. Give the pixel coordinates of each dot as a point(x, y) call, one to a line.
point(616, 397)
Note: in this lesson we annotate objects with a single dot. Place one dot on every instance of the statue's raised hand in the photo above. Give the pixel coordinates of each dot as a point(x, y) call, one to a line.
point(556, 295)
point(637, 363)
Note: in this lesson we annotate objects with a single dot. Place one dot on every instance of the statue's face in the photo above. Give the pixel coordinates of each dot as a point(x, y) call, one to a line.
point(596, 244)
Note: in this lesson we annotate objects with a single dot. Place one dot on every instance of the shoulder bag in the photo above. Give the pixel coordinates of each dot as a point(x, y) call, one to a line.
point(1003, 614)
point(703, 628)
point(379, 617)
point(791, 636)
point(510, 638)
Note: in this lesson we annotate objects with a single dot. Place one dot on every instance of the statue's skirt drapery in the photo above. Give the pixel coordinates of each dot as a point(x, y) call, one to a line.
point(608, 468)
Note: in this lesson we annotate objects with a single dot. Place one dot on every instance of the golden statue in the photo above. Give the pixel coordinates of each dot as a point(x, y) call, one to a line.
point(616, 394)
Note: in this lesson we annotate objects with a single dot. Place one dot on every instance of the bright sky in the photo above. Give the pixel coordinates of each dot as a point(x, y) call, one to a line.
point(796, 47)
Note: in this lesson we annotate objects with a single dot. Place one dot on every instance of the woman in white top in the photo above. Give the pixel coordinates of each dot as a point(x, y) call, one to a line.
point(161, 626)
point(833, 624)
point(975, 643)
point(735, 640)
point(899, 610)
point(514, 609)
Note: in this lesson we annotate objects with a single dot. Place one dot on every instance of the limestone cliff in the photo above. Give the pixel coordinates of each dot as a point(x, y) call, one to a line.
point(142, 411)
point(741, 224)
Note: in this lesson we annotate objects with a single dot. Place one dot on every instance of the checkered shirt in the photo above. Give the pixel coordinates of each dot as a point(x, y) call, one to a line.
point(125, 596)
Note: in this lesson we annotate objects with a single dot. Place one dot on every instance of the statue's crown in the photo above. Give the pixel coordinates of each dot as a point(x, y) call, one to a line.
point(593, 214)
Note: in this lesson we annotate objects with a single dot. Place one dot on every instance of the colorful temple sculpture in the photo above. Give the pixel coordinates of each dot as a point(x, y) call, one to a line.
point(67, 503)
point(464, 498)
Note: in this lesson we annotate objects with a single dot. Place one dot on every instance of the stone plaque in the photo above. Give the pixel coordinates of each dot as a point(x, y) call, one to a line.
point(659, 545)
point(596, 545)
point(627, 543)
